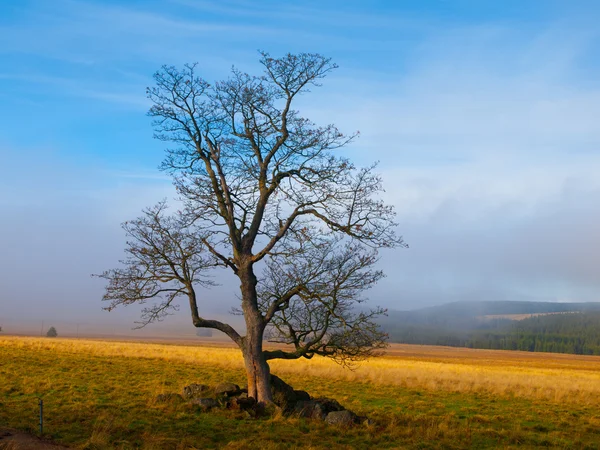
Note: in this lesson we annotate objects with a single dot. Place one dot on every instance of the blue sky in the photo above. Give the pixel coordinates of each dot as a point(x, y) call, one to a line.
point(483, 115)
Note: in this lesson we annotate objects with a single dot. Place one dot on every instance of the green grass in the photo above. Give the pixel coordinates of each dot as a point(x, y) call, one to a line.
point(100, 402)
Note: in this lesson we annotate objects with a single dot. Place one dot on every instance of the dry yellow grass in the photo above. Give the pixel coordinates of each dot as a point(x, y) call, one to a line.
point(548, 377)
point(102, 395)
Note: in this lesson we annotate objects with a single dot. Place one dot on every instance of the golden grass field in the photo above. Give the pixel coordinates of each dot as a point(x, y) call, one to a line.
point(421, 397)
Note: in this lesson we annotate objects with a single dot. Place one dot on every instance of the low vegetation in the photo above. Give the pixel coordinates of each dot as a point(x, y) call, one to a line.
point(52, 332)
point(100, 394)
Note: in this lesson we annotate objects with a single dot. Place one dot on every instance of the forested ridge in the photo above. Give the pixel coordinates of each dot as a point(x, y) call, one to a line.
point(577, 333)
point(555, 327)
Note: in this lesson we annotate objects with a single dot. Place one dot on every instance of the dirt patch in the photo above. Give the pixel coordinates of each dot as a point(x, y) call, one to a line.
point(18, 440)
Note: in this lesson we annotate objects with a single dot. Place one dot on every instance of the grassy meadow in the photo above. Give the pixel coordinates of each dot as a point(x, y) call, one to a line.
point(100, 395)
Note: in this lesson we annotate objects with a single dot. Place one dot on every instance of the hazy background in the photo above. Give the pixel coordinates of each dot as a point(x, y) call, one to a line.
point(485, 117)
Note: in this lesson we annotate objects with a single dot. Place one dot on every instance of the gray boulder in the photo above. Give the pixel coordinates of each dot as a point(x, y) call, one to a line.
point(196, 390)
point(318, 408)
point(310, 409)
point(329, 404)
point(244, 403)
point(302, 395)
point(228, 389)
point(284, 395)
point(205, 403)
point(340, 418)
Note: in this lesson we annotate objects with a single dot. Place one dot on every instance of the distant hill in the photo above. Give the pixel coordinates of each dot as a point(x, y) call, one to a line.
point(529, 326)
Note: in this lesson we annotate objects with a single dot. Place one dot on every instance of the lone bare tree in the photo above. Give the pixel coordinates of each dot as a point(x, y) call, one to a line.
point(266, 196)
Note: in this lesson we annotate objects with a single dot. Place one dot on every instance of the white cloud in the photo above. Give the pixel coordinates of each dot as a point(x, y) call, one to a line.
point(493, 169)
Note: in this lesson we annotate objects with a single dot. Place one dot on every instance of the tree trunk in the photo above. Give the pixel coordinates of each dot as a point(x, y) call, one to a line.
point(257, 368)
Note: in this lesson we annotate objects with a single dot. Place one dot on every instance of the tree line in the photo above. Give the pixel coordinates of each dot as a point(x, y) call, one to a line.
point(575, 333)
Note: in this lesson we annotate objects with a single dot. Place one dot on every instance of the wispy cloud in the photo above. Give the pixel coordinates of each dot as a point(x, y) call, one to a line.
point(123, 93)
point(491, 160)
point(315, 14)
point(93, 32)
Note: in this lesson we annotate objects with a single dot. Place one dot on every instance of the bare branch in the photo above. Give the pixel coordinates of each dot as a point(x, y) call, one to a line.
point(310, 298)
point(166, 260)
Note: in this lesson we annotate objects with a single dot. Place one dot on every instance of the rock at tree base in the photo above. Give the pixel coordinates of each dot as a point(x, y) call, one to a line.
point(284, 395)
point(286, 399)
point(317, 408)
point(341, 418)
point(205, 403)
point(302, 395)
point(269, 410)
point(329, 404)
point(196, 390)
point(243, 402)
point(310, 409)
point(228, 389)
point(169, 398)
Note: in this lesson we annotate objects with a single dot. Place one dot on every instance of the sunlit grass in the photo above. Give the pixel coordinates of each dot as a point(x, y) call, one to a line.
point(554, 378)
point(100, 394)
